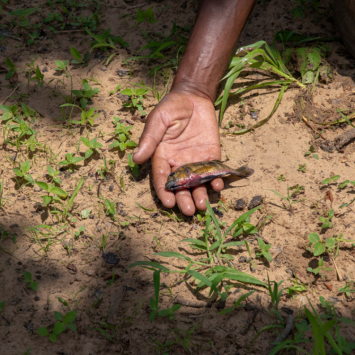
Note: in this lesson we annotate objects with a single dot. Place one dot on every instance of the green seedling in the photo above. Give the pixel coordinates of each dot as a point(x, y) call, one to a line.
point(86, 94)
point(118, 88)
point(122, 134)
point(22, 172)
point(296, 288)
point(347, 289)
point(61, 66)
point(135, 99)
point(311, 151)
point(320, 268)
point(21, 16)
point(28, 280)
point(133, 166)
point(154, 302)
point(63, 323)
point(327, 221)
point(70, 161)
point(21, 129)
point(77, 233)
point(33, 37)
point(264, 250)
point(327, 181)
point(237, 304)
point(288, 199)
point(302, 168)
point(78, 58)
point(170, 312)
point(85, 213)
point(146, 16)
point(92, 144)
point(86, 116)
point(106, 41)
point(71, 201)
point(110, 208)
point(51, 189)
point(274, 292)
point(34, 74)
point(281, 178)
point(12, 69)
point(345, 183)
point(106, 168)
point(319, 246)
point(296, 189)
point(10, 112)
point(302, 6)
point(54, 175)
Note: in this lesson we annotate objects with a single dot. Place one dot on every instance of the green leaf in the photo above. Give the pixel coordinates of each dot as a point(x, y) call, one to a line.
point(58, 191)
point(173, 254)
point(59, 327)
point(46, 200)
point(243, 277)
point(330, 243)
point(86, 141)
point(50, 170)
point(42, 185)
point(18, 172)
point(200, 277)
point(25, 167)
point(249, 228)
point(72, 327)
point(43, 331)
point(88, 153)
point(325, 181)
point(33, 285)
point(149, 264)
point(127, 92)
point(193, 240)
point(53, 338)
point(70, 317)
point(58, 315)
point(75, 53)
point(313, 237)
point(27, 276)
point(77, 160)
point(319, 249)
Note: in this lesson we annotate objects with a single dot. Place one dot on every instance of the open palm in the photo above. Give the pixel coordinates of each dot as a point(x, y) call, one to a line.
point(181, 129)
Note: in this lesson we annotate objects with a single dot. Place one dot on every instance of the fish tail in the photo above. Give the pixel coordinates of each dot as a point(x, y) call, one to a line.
point(243, 171)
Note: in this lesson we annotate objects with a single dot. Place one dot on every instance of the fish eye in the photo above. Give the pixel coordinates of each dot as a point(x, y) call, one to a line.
point(172, 174)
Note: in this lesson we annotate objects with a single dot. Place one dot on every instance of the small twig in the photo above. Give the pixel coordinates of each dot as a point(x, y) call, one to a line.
point(287, 329)
point(252, 319)
point(336, 268)
point(194, 304)
point(6, 320)
point(312, 128)
point(139, 5)
point(10, 94)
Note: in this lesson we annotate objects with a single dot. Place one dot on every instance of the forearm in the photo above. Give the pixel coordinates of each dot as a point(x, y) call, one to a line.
point(211, 46)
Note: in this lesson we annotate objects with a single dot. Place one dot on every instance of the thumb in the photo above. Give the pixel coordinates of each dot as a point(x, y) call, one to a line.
point(152, 135)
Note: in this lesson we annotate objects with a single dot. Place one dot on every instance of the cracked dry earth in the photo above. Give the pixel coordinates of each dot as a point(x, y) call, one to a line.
point(80, 274)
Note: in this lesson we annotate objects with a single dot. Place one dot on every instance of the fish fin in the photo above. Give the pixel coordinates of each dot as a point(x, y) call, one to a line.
point(243, 171)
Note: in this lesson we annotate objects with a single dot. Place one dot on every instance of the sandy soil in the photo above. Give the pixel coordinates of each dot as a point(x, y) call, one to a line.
point(275, 149)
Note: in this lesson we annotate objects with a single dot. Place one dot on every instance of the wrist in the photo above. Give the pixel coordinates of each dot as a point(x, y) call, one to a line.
point(193, 87)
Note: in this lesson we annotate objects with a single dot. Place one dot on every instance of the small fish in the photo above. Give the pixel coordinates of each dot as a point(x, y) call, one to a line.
point(196, 174)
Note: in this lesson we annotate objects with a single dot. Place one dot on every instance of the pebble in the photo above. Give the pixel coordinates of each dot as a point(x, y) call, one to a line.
point(111, 258)
point(99, 229)
point(14, 225)
point(90, 273)
point(98, 294)
point(244, 259)
point(240, 204)
point(37, 189)
point(111, 187)
point(217, 212)
point(155, 215)
point(255, 201)
point(254, 115)
point(44, 70)
point(36, 298)
point(92, 216)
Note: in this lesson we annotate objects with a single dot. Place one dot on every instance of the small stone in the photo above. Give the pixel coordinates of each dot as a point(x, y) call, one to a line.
point(72, 268)
point(37, 189)
point(99, 229)
point(90, 273)
point(13, 157)
point(36, 298)
point(103, 68)
point(155, 215)
point(254, 115)
point(122, 72)
point(217, 212)
point(243, 259)
point(98, 294)
point(14, 225)
point(44, 70)
point(289, 271)
point(128, 288)
point(195, 226)
point(255, 201)
point(111, 187)
point(333, 299)
point(92, 216)
point(240, 204)
point(111, 258)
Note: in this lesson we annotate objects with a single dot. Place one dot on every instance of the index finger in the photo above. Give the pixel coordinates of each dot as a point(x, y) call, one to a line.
point(161, 170)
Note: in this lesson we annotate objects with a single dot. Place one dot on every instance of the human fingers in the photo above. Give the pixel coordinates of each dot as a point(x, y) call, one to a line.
point(185, 202)
point(161, 170)
point(199, 195)
point(152, 135)
point(217, 184)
